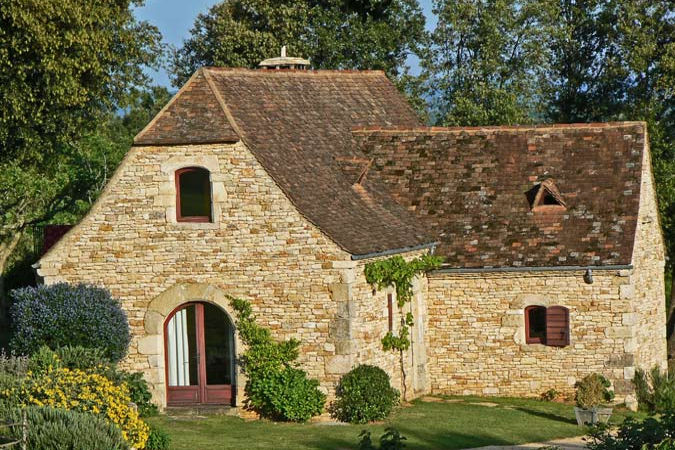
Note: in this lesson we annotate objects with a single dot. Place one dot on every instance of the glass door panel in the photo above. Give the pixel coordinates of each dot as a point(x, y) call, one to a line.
point(218, 346)
point(182, 351)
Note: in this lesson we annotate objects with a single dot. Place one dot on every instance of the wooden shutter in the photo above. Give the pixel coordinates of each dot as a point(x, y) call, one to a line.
point(557, 326)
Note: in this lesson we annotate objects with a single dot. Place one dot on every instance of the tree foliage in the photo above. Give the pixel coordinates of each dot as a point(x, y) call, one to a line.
point(333, 34)
point(65, 66)
point(484, 61)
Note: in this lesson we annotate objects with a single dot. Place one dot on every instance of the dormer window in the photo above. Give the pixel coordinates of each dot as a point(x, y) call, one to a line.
point(193, 195)
point(546, 196)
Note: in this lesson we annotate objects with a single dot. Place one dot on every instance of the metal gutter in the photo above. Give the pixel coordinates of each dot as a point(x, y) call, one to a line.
point(533, 269)
point(394, 251)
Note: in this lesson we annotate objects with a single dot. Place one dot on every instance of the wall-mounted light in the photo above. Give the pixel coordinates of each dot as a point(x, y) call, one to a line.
point(588, 276)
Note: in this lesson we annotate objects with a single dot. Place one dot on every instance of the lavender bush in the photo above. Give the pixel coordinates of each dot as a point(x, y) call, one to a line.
point(64, 314)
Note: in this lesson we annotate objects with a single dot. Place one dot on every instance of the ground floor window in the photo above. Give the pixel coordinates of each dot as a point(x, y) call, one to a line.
point(548, 326)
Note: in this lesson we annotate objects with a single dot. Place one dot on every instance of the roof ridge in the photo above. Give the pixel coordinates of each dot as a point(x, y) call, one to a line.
point(222, 103)
point(313, 72)
point(488, 128)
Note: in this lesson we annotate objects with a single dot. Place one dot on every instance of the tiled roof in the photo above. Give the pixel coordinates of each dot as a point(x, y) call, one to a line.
point(192, 116)
point(470, 187)
point(298, 125)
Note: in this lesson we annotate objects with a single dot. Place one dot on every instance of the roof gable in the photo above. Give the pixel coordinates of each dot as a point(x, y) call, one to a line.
point(298, 123)
point(472, 189)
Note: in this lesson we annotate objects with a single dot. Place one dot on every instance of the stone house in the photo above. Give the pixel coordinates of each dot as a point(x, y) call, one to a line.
point(279, 186)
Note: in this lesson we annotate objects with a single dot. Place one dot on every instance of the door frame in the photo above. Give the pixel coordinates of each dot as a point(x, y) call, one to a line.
point(202, 394)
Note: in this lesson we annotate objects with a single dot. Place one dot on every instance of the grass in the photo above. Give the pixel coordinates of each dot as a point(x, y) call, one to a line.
point(458, 423)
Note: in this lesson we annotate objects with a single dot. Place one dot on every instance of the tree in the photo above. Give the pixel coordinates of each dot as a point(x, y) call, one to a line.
point(585, 77)
point(64, 66)
point(485, 55)
point(333, 34)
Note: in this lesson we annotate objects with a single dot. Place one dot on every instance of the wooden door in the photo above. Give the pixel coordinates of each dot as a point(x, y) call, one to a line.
point(199, 348)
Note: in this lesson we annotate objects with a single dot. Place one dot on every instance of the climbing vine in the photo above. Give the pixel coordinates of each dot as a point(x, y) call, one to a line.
point(398, 273)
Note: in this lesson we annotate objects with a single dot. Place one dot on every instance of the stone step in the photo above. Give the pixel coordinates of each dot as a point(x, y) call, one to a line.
point(201, 410)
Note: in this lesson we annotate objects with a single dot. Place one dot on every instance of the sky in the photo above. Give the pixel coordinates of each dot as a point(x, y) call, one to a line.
point(175, 18)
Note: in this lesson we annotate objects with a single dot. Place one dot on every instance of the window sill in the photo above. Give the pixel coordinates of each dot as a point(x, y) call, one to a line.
point(195, 225)
point(539, 348)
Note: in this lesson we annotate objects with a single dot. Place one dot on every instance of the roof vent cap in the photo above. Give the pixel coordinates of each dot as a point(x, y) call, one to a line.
point(284, 62)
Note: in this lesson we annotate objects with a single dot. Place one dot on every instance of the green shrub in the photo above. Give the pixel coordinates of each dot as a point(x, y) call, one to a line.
point(61, 314)
point(364, 394)
point(652, 433)
point(83, 358)
point(655, 391)
point(158, 439)
point(592, 391)
point(59, 429)
point(275, 388)
point(550, 395)
point(390, 440)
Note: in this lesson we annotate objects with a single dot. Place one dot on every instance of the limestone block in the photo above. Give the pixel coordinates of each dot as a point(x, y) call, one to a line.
point(339, 364)
point(150, 345)
point(154, 322)
point(218, 192)
point(627, 291)
point(628, 373)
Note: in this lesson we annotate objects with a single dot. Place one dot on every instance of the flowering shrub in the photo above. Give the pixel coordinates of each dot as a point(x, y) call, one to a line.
point(91, 361)
point(77, 390)
point(61, 314)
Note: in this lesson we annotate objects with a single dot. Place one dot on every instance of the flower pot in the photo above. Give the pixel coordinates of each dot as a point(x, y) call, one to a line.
point(592, 416)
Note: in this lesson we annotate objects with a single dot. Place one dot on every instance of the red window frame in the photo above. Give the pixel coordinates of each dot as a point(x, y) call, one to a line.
point(556, 326)
point(179, 216)
point(528, 338)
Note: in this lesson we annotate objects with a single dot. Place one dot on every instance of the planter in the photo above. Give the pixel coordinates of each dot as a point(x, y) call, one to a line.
point(592, 416)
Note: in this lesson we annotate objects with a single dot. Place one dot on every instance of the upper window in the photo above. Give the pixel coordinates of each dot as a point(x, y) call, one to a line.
point(548, 326)
point(193, 195)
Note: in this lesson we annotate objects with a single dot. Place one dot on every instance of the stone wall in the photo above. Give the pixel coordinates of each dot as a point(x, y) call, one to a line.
point(477, 332)
point(649, 301)
point(371, 324)
point(258, 247)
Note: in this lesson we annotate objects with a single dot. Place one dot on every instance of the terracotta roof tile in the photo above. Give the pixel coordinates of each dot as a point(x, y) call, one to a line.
point(193, 116)
point(470, 187)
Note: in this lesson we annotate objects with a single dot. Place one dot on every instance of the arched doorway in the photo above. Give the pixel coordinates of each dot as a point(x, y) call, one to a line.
point(199, 349)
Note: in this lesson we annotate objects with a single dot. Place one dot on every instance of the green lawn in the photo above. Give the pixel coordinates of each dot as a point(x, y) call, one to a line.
point(427, 425)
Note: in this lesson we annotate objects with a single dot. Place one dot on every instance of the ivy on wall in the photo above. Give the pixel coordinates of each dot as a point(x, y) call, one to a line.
point(398, 273)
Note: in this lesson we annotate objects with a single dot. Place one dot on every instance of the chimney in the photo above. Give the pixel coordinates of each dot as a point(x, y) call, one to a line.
point(284, 62)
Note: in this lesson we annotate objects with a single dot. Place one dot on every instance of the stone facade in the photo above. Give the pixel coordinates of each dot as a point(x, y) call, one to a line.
point(258, 247)
point(477, 322)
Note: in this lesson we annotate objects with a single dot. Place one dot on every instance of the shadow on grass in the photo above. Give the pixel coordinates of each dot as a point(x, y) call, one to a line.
point(415, 439)
point(546, 415)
